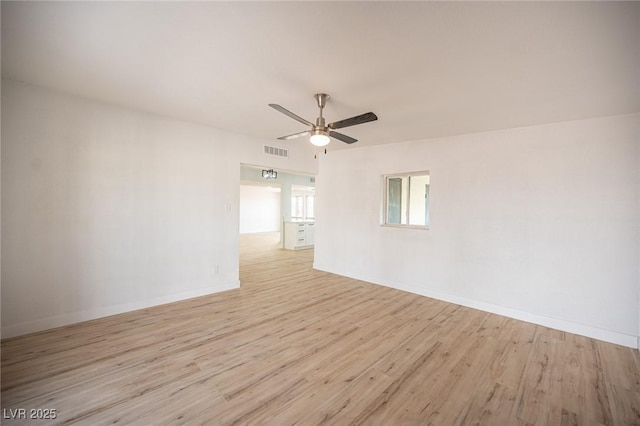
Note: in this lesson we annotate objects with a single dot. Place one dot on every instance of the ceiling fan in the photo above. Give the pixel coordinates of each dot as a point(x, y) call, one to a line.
point(320, 131)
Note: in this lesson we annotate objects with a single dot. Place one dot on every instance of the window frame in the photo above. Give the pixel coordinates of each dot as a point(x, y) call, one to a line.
point(302, 207)
point(313, 207)
point(385, 197)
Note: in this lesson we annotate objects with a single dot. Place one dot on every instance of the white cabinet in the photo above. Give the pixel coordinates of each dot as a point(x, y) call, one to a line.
point(299, 235)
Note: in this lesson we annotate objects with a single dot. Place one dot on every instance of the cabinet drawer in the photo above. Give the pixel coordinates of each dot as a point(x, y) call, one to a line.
point(298, 235)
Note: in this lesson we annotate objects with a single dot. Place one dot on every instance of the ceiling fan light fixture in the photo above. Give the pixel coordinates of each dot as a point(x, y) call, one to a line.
point(319, 138)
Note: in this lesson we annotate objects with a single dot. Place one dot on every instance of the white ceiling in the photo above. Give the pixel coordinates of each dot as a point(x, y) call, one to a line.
point(427, 69)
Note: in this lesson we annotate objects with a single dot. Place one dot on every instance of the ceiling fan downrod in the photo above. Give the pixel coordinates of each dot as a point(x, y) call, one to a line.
point(321, 99)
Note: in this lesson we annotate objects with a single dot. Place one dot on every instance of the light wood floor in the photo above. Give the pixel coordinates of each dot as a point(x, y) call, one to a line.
point(295, 345)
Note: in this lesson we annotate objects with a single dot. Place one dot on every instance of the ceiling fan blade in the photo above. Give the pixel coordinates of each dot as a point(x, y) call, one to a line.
point(343, 138)
point(290, 114)
point(358, 119)
point(295, 135)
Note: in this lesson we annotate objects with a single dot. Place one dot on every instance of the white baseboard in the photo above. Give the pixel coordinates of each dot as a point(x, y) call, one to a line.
point(546, 321)
point(610, 336)
point(90, 314)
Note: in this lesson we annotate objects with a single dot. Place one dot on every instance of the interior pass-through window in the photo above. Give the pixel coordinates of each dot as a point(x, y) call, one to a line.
point(406, 200)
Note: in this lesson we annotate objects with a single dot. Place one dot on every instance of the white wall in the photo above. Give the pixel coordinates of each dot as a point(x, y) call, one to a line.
point(537, 223)
point(259, 209)
point(106, 209)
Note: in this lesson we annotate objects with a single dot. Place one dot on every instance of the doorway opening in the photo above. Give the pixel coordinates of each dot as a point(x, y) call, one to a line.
point(270, 200)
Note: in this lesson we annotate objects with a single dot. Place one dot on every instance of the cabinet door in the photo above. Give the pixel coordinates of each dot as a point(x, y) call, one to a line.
point(310, 237)
point(289, 236)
